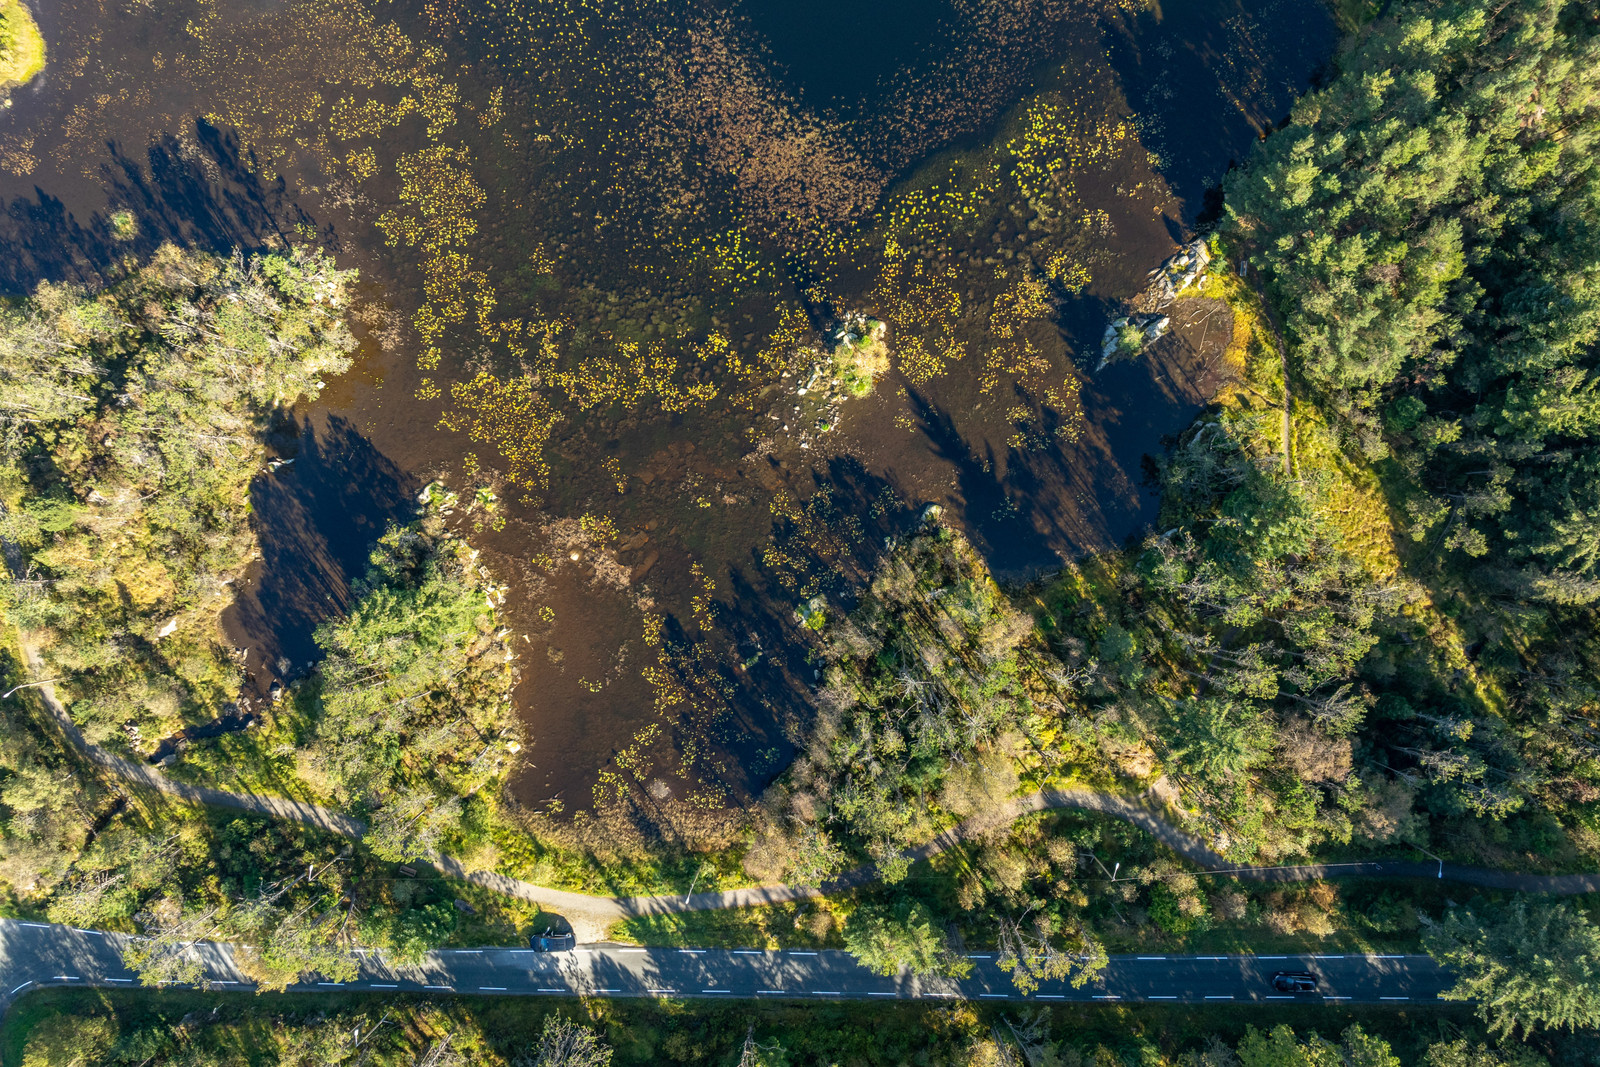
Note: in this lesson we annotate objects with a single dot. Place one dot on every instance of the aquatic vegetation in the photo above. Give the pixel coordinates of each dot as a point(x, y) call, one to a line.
point(512, 416)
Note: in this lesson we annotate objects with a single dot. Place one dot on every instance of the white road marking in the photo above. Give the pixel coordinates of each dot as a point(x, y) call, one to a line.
point(38, 926)
point(870, 994)
point(693, 951)
point(91, 933)
point(466, 951)
point(331, 983)
point(1272, 957)
point(1327, 957)
point(748, 952)
point(444, 987)
point(1385, 957)
point(1106, 996)
point(716, 991)
point(826, 993)
point(229, 981)
point(1150, 957)
point(1220, 996)
point(625, 950)
point(769, 991)
point(562, 989)
point(1051, 996)
point(21, 987)
point(608, 990)
point(660, 990)
point(979, 957)
point(1002, 996)
point(1162, 996)
point(1330, 996)
point(492, 988)
point(65, 978)
point(119, 979)
point(1279, 998)
point(383, 985)
point(797, 952)
point(1394, 998)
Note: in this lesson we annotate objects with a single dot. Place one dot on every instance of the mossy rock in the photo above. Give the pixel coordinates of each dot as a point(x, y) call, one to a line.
point(21, 45)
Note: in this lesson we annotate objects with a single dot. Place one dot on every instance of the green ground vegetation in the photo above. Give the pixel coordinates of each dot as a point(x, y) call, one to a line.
point(21, 45)
point(58, 1028)
point(130, 425)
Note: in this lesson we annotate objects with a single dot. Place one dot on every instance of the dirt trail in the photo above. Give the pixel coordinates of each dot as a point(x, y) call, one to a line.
point(591, 916)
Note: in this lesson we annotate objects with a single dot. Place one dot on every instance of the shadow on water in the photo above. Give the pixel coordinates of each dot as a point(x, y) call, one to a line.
point(1210, 78)
point(318, 516)
point(198, 192)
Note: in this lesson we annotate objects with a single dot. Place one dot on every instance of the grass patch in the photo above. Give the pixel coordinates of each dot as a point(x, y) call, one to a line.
point(21, 45)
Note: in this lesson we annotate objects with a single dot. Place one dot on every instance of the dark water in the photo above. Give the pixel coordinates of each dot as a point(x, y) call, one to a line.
point(113, 125)
point(841, 52)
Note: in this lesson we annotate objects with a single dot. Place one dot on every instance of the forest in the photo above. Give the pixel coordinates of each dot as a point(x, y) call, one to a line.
point(68, 1028)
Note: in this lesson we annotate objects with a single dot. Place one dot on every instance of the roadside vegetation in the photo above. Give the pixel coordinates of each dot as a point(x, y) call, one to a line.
point(131, 421)
point(64, 1028)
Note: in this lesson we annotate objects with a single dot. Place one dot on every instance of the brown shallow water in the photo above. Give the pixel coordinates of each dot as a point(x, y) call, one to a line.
point(722, 521)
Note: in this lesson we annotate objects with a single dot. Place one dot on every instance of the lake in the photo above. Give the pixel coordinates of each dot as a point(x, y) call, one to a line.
point(595, 239)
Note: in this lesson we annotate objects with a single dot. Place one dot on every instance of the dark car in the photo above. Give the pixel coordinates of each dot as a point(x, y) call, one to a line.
point(548, 942)
point(1294, 982)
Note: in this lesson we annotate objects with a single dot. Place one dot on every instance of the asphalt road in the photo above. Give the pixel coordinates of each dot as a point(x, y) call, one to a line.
point(39, 954)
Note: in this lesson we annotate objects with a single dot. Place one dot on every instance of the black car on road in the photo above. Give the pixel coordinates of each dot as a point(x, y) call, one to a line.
point(1294, 982)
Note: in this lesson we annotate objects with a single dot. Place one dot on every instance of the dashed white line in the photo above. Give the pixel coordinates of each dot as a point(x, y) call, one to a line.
point(1327, 957)
point(1270, 997)
point(38, 926)
point(716, 991)
point(65, 978)
point(1385, 957)
point(23, 986)
point(826, 993)
point(1162, 996)
point(119, 979)
point(1000, 996)
point(660, 990)
point(797, 952)
point(562, 989)
point(1394, 998)
point(632, 950)
point(229, 981)
point(1106, 996)
point(331, 983)
point(608, 990)
point(980, 957)
point(492, 989)
point(91, 933)
point(1051, 996)
point(748, 952)
point(871, 994)
point(1150, 957)
point(769, 991)
point(1220, 996)
point(466, 951)
point(1272, 957)
point(444, 987)
point(384, 985)
point(1330, 996)
point(693, 951)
